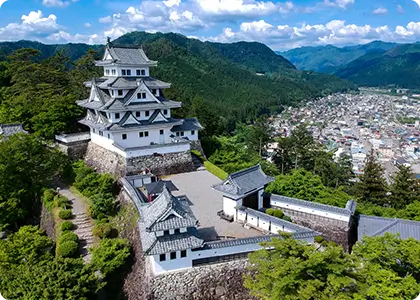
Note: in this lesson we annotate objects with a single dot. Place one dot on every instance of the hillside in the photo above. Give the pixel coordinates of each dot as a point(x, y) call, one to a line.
point(227, 83)
point(329, 58)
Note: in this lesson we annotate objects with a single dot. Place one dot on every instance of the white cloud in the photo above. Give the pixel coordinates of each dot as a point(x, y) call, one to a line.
point(55, 3)
point(339, 3)
point(87, 25)
point(105, 20)
point(170, 3)
point(64, 37)
point(400, 9)
point(380, 11)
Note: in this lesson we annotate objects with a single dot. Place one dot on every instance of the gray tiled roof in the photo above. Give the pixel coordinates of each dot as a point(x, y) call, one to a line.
point(11, 129)
point(188, 125)
point(161, 207)
point(240, 183)
point(153, 245)
point(127, 55)
point(131, 82)
point(157, 187)
point(256, 239)
point(378, 226)
point(279, 222)
point(348, 211)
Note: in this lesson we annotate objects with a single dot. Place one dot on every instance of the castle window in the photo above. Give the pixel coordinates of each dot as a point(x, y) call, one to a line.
point(147, 113)
point(128, 72)
point(162, 257)
point(124, 136)
point(113, 72)
point(109, 136)
point(183, 253)
point(112, 92)
point(166, 232)
point(177, 231)
point(93, 129)
point(123, 72)
point(107, 72)
point(173, 255)
point(143, 72)
point(101, 133)
point(138, 95)
point(154, 91)
point(117, 115)
point(137, 114)
point(120, 92)
point(192, 132)
point(138, 72)
point(182, 133)
point(143, 95)
point(141, 134)
point(161, 132)
point(165, 111)
point(146, 133)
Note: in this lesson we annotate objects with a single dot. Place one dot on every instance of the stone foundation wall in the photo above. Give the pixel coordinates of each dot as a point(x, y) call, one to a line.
point(196, 145)
point(47, 222)
point(74, 151)
point(161, 164)
point(332, 230)
point(218, 282)
point(105, 161)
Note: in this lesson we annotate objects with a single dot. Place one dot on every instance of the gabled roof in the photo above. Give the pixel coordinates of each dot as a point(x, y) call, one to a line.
point(188, 125)
point(167, 212)
point(126, 55)
point(347, 211)
point(243, 182)
point(11, 129)
point(378, 226)
point(131, 82)
point(157, 187)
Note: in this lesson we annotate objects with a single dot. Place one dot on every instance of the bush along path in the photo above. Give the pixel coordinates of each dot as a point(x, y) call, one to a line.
point(83, 224)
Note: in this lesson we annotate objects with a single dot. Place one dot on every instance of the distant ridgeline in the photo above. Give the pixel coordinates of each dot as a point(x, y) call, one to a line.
point(374, 64)
point(237, 81)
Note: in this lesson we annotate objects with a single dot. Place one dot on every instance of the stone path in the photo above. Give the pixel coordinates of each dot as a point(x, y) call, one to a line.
point(82, 222)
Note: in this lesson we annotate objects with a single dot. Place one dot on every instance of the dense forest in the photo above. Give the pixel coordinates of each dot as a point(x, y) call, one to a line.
point(374, 64)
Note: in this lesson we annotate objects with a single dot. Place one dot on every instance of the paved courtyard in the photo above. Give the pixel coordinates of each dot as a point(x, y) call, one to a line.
point(205, 203)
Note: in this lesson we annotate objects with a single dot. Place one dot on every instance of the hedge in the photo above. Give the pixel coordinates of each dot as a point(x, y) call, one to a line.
point(319, 239)
point(102, 230)
point(67, 249)
point(65, 214)
point(68, 236)
point(278, 214)
point(67, 225)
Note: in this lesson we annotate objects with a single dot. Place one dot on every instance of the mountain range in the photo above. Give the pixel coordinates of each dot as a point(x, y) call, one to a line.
point(238, 81)
point(374, 64)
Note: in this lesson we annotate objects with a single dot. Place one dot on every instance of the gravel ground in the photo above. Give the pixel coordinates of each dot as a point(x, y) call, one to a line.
point(205, 203)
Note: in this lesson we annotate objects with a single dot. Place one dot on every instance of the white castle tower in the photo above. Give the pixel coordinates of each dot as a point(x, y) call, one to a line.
point(127, 112)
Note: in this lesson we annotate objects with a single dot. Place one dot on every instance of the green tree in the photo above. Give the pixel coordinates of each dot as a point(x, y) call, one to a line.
point(404, 189)
point(110, 255)
point(372, 186)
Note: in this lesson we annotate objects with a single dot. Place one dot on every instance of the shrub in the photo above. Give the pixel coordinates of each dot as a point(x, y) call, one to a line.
point(102, 204)
point(102, 230)
point(278, 214)
point(110, 255)
point(68, 236)
point(287, 218)
point(62, 201)
point(49, 195)
point(319, 239)
point(269, 211)
point(66, 225)
point(65, 214)
point(324, 243)
point(101, 217)
point(67, 249)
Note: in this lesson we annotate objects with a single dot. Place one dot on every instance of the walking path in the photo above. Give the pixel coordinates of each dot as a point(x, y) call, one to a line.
point(82, 222)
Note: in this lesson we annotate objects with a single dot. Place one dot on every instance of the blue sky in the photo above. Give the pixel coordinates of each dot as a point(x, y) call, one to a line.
point(279, 24)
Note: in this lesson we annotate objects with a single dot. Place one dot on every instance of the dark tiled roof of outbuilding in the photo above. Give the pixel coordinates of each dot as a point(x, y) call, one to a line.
point(378, 226)
point(156, 187)
point(240, 183)
point(11, 129)
point(188, 125)
point(348, 211)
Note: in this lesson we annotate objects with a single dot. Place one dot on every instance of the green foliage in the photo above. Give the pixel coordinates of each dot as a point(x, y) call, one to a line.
point(278, 214)
point(405, 188)
point(270, 211)
point(65, 214)
point(67, 249)
point(102, 230)
point(27, 258)
point(373, 187)
point(66, 226)
point(287, 218)
point(27, 165)
point(319, 239)
point(379, 268)
point(110, 255)
point(102, 204)
point(68, 236)
point(49, 195)
point(304, 185)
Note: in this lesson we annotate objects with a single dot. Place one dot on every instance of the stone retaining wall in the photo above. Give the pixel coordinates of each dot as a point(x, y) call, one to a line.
point(221, 281)
point(74, 151)
point(196, 145)
point(47, 222)
point(104, 161)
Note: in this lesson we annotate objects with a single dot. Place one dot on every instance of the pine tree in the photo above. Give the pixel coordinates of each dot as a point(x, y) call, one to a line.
point(404, 189)
point(373, 187)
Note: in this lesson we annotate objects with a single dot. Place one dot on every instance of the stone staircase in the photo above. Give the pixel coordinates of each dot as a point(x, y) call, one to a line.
point(83, 228)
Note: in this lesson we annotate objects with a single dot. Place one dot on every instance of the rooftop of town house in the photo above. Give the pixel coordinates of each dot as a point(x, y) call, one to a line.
point(11, 129)
point(243, 182)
